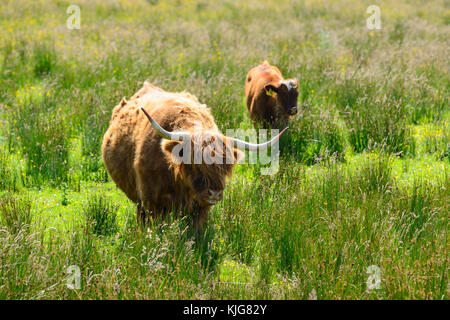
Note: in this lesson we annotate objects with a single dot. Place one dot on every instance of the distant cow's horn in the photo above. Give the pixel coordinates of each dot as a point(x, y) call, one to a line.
point(240, 144)
point(162, 132)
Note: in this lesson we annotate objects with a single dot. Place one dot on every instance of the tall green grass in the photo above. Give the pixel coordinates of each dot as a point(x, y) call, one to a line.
point(9, 175)
point(101, 215)
point(15, 213)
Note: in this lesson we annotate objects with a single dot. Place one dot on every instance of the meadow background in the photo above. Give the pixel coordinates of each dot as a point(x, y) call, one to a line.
point(364, 172)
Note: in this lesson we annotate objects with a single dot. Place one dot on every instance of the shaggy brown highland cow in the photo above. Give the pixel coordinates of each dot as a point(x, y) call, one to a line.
point(158, 150)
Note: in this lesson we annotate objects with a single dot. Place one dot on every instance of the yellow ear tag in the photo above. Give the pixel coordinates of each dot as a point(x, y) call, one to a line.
point(270, 92)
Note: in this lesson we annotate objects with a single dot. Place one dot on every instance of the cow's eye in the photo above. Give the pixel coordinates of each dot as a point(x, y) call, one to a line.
point(198, 182)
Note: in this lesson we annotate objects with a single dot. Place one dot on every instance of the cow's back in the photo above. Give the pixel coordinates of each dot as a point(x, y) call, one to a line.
point(119, 147)
point(259, 76)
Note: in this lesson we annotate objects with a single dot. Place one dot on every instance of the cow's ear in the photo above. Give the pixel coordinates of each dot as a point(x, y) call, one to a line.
point(271, 88)
point(173, 150)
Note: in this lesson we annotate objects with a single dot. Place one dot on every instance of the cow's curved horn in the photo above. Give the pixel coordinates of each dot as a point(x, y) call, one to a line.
point(243, 145)
point(178, 136)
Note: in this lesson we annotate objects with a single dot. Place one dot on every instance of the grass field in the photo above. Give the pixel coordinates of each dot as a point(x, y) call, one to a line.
point(364, 176)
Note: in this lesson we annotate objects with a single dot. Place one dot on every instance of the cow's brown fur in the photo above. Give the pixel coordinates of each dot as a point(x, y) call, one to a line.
point(269, 102)
point(142, 165)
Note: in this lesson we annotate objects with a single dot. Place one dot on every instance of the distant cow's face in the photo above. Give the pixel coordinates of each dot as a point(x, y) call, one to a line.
point(286, 95)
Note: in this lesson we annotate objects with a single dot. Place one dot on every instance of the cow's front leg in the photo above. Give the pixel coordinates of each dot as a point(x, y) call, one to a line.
point(150, 213)
point(200, 218)
point(141, 215)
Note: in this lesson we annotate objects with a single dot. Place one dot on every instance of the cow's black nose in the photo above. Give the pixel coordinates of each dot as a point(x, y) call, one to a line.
point(293, 111)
